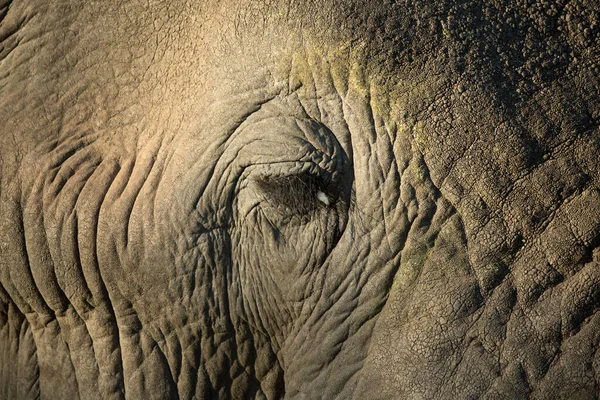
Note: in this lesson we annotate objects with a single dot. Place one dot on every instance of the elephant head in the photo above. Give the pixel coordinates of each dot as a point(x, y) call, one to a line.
point(299, 199)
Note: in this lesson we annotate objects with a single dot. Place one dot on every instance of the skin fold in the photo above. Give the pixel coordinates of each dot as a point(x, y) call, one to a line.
point(396, 200)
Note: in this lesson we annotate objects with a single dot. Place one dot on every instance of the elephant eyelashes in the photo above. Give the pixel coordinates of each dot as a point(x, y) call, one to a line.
point(298, 194)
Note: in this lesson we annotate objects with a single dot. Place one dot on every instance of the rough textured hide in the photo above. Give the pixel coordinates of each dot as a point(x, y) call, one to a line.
point(164, 168)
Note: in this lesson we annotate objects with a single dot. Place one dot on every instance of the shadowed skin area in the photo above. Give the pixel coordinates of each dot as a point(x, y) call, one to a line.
point(300, 200)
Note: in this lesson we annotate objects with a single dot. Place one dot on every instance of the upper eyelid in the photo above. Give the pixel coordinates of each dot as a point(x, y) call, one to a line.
point(289, 169)
point(322, 183)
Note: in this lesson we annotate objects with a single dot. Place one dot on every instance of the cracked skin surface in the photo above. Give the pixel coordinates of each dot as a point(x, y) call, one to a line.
point(161, 234)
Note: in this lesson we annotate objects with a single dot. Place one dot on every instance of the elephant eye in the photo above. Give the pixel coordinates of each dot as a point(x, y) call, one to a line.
point(297, 194)
point(323, 198)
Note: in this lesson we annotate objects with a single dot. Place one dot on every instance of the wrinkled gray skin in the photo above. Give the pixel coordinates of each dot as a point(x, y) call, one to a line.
point(317, 200)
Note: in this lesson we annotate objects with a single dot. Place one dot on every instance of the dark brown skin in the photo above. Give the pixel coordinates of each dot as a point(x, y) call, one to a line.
point(313, 200)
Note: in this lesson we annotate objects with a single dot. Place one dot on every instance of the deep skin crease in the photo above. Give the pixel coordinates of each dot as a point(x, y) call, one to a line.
point(162, 235)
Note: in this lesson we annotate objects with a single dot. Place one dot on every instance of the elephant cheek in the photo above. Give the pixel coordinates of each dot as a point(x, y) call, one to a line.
point(275, 268)
point(413, 350)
